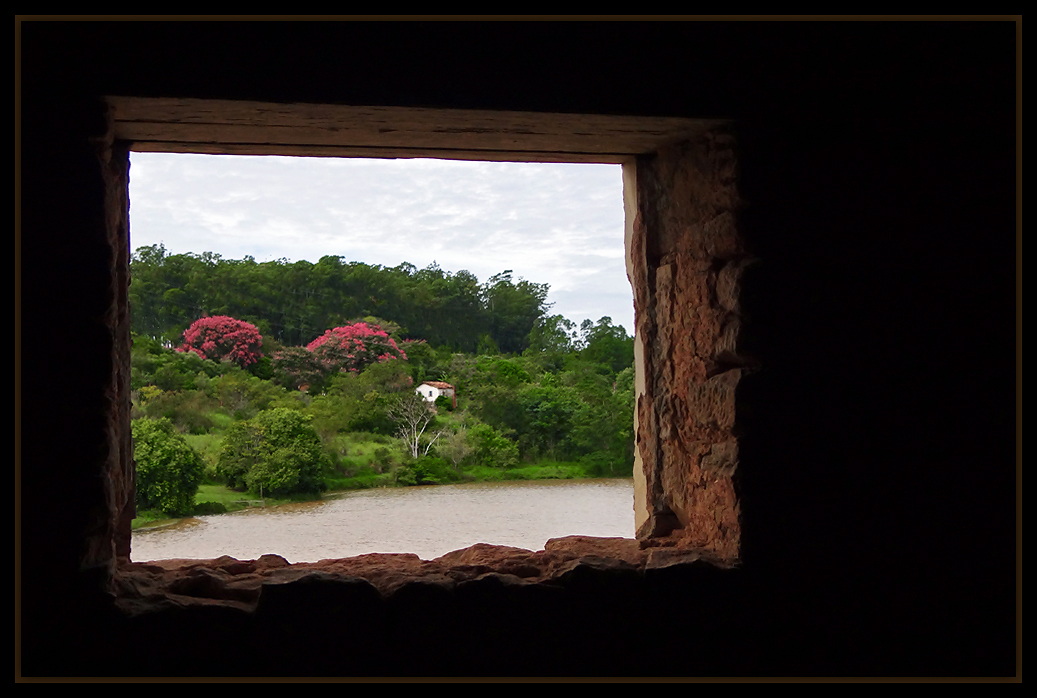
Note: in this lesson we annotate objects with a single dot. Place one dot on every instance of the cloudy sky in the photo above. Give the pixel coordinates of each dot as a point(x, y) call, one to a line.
point(548, 223)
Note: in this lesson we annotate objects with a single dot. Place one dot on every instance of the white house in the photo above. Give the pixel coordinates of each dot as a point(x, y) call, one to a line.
point(430, 390)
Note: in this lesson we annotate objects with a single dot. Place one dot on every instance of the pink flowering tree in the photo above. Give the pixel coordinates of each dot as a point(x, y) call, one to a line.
point(223, 338)
point(354, 347)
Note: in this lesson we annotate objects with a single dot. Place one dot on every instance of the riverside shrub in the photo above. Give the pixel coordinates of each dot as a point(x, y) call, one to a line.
point(168, 469)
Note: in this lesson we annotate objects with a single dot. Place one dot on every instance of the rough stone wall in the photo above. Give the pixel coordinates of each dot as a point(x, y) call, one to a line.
point(686, 262)
point(109, 536)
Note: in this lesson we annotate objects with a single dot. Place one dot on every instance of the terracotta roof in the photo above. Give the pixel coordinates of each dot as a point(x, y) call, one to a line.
point(438, 384)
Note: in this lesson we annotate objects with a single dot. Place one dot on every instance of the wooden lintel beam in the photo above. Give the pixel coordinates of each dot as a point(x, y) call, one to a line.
point(231, 127)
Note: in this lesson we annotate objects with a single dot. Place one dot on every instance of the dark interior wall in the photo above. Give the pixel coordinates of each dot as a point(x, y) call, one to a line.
point(878, 470)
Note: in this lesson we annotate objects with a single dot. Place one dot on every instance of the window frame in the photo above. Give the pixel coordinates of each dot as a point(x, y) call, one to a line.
point(250, 128)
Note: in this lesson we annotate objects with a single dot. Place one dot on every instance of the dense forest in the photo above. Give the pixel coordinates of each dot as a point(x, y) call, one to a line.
point(291, 303)
point(287, 379)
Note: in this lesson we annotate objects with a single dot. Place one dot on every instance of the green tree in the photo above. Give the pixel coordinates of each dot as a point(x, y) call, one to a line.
point(607, 344)
point(494, 390)
point(296, 368)
point(363, 400)
point(189, 411)
point(514, 309)
point(551, 341)
point(602, 430)
point(168, 469)
point(243, 395)
point(553, 334)
point(455, 447)
point(277, 452)
point(547, 420)
point(491, 448)
point(154, 364)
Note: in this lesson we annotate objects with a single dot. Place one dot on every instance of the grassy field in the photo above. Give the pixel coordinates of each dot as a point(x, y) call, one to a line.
point(545, 470)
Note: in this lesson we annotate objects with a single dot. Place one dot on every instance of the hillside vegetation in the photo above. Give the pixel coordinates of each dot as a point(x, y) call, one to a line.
point(287, 380)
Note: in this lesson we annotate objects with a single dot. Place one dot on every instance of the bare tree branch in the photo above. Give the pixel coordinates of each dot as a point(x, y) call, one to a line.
point(412, 415)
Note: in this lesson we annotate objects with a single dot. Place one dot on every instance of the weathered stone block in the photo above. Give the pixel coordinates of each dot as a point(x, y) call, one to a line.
point(712, 402)
point(722, 459)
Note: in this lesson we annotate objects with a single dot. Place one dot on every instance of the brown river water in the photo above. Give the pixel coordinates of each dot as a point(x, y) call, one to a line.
point(429, 521)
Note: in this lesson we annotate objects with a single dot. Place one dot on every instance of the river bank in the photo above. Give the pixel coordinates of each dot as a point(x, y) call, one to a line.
point(218, 499)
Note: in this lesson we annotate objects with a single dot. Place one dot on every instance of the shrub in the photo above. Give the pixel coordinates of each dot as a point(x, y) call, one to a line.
point(605, 464)
point(206, 508)
point(168, 469)
point(405, 475)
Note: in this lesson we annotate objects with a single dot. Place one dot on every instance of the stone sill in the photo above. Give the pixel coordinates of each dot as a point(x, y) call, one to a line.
point(144, 587)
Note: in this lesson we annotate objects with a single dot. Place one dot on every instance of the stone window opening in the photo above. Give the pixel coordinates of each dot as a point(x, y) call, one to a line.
point(203, 169)
point(684, 260)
